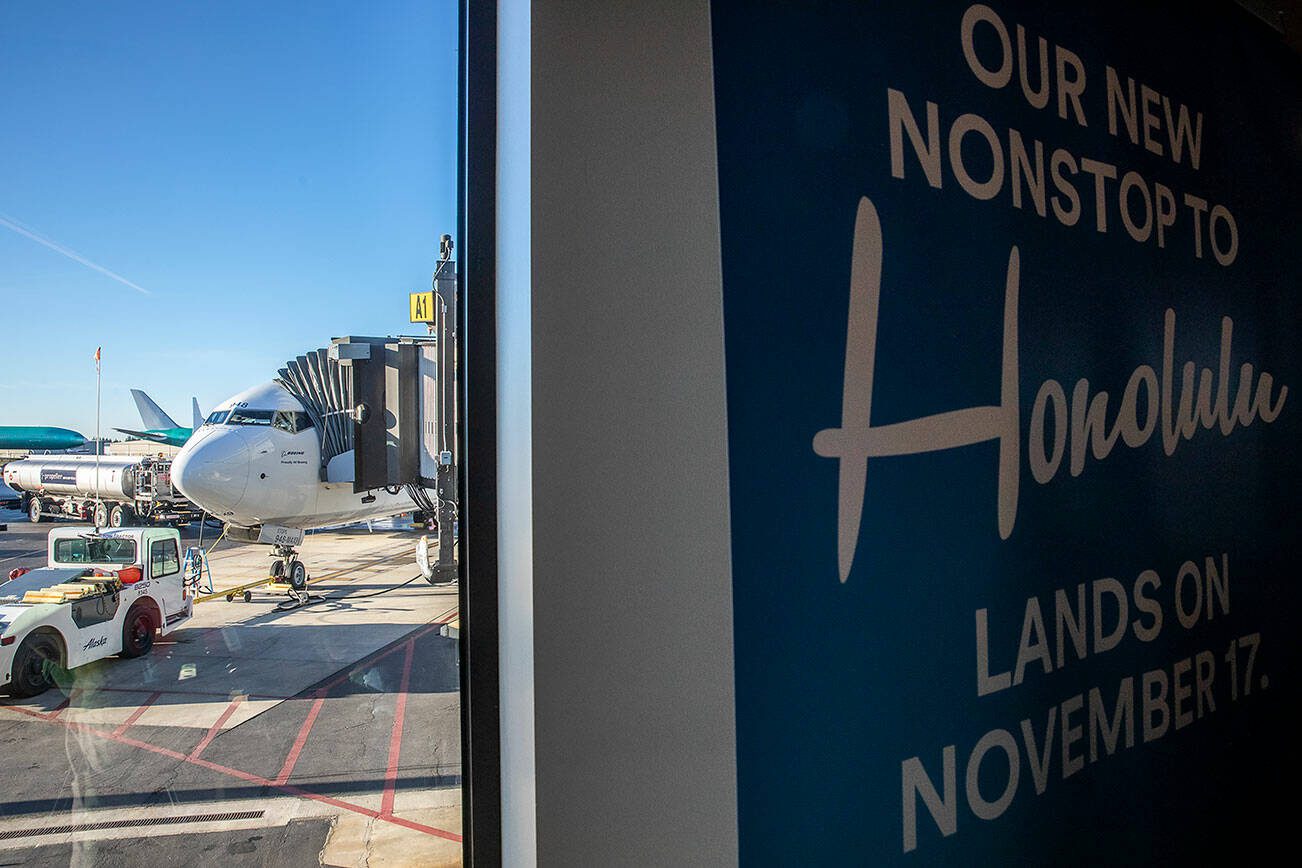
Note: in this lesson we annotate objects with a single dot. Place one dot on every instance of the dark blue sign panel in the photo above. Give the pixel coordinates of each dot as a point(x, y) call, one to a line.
point(1011, 314)
point(58, 477)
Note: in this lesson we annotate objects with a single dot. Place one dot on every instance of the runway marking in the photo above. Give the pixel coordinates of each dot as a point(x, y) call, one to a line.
point(38, 553)
point(280, 783)
point(292, 758)
point(395, 737)
point(216, 727)
point(236, 773)
point(135, 715)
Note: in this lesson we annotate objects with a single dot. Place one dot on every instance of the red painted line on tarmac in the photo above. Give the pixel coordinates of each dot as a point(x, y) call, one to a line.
point(216, 727)
point(135, 715)
point(58, 709)
point(244, 776)
point(395, 737)
point(27, 711)
point(287, 769)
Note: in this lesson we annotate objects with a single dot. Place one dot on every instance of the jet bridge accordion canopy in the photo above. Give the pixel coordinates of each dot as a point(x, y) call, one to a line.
point(325, 389)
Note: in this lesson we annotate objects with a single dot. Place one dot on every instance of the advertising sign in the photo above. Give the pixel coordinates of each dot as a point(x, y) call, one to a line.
point(54, 476)
point(1011, 312)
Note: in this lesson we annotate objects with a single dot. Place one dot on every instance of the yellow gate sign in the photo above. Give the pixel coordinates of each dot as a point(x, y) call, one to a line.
point(422, 307)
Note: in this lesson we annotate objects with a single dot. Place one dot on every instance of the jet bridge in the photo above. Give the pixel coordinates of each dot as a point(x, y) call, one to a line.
point(384, 409)
point(385, 412)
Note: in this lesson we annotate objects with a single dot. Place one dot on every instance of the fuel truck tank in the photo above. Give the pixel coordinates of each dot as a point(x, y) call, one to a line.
point(75, 476)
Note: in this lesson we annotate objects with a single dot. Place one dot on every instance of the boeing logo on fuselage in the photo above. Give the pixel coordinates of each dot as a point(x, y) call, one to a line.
point(1205, 403)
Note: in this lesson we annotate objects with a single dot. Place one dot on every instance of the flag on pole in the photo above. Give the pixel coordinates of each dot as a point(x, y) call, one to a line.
point(97, 349)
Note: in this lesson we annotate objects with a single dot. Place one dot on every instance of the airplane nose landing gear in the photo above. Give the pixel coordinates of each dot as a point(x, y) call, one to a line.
point(287, 568)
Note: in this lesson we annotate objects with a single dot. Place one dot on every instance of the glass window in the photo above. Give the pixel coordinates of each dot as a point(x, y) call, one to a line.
point(163, 559)
point(348, 175)
point(95, 550)
point(245, 416)
point(291, 421)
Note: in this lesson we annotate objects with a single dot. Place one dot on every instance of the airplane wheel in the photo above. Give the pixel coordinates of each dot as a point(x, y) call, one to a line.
point(36, 510)
point(277, 570)
point(137, 632)
point(36, 665)
point(297, 575)
point(101, 515)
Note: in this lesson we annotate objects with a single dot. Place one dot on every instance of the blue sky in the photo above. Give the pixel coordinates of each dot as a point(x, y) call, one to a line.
point(272, 175)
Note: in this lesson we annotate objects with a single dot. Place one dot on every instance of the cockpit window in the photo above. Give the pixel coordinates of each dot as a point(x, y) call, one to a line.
point(217, 417)
point(245, 416)
point(291, 421)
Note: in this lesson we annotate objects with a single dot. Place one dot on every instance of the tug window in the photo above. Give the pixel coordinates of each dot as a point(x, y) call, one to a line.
point(163, 560)
point(95, 551)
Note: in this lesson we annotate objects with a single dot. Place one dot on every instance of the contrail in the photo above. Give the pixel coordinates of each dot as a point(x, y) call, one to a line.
point(26, 232)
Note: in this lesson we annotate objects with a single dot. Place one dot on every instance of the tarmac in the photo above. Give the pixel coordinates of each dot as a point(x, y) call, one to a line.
point(327, 734)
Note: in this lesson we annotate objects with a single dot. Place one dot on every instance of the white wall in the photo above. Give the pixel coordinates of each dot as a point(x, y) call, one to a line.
point(632, 676)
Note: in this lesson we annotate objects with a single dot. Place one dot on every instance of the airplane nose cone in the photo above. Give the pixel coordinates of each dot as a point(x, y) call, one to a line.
point(213, 470)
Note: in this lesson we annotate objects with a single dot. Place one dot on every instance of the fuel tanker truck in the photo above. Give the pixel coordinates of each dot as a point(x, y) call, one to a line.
point(121, 491)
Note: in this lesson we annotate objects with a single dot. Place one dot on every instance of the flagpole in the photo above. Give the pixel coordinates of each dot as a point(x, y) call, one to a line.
point(99, 444)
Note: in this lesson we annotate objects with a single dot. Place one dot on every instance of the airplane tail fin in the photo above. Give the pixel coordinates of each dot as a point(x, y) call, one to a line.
point(150, 413)
point(198, 416)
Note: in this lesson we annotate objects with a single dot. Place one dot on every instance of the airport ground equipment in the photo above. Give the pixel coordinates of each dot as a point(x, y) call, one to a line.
point(100, 593)
point(108, 490)
point(196, 569)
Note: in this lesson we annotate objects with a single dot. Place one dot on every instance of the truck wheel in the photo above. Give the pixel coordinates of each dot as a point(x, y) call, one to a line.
point(120, 516)
point(297, 575)
point(137, 632)
point(36, 665)
point(101, 515)
point(36, 510)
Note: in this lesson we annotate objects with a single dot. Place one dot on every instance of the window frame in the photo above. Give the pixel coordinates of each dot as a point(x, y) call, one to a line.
point(64, 541)
point(176, 557)
point(481, 752)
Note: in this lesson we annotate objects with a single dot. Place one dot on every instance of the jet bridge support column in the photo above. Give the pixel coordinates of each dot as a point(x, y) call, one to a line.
point(445, 326)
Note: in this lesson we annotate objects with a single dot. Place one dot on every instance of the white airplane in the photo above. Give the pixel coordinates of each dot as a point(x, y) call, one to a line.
point(255, 463)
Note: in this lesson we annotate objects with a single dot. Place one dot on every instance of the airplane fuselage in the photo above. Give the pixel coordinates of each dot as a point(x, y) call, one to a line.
point(257, 460)
point(38, 437)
